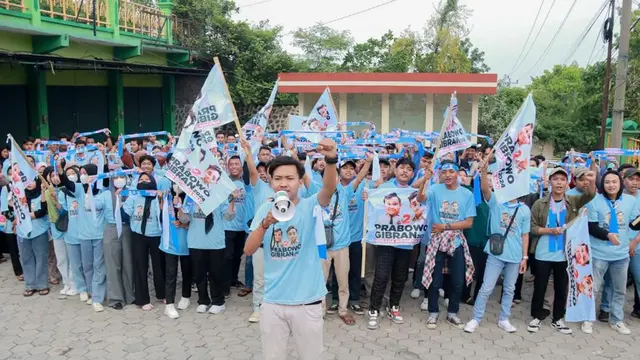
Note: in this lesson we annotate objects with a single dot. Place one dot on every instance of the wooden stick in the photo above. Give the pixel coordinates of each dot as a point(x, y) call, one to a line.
point(233, 108)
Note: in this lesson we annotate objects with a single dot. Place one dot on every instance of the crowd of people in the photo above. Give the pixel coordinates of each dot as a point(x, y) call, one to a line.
point(115, 225)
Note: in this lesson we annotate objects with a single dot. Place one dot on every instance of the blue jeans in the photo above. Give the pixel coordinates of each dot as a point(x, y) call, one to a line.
point(75, 264)
point(618, 272)
point(634, 266)
point(492, 272)
point(248, 272)
point(95, 271)
point(456, 271)
point(607, 292)
point(34, 258)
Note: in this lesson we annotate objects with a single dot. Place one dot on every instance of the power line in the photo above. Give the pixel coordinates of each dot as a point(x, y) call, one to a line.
point(253, 4)
point(535, 38)
point(546, 51)
point(584, 33)
point(595, 43)
point(528, 37)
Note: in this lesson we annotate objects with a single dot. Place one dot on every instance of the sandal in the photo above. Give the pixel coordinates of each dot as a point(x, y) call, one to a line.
point(244, 292)
point(147, 307)
point(28, 293)
point(54, 281)
point(43, 292)
point(20, 277)
point(348, 319)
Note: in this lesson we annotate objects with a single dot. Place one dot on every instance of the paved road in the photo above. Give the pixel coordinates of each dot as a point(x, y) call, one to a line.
point(43, 327)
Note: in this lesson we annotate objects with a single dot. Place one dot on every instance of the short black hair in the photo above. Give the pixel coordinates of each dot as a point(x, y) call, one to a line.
point(80, 142)
point(406, 161)
point(137, 141)
point(286, 161)
point(28, 139)
point(147, 157)
point(264, 147)
point(63, 136)
point(261, 164)
point(624, 167)
point(236, 157)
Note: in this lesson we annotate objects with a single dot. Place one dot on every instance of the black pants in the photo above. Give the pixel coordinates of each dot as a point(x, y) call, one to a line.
point(355, 281)
point(234, 248)
point(209, 266)
point(12, 244)
point(636, 299)
point(143, 246)
point(531, 264)
point(172, 276)
point(479, 258)
point(394, 262)
point(560, 286)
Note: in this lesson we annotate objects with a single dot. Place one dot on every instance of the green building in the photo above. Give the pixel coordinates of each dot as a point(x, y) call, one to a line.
point(61, 71)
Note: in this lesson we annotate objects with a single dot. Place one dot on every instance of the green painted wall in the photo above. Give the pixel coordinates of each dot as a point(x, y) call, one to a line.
point(77, 78)
point(149, 57)
point(15, 42)
point(83, 50)
point(12, 74)
point(136, 80)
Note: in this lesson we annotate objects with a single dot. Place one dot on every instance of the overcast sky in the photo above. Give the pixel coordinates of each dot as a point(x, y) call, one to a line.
point(499, 27)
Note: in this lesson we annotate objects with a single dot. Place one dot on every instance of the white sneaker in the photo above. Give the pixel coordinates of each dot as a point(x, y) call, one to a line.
point(171, 312)
point(415, 293)
point(425, 305)
point(201, 309)
point(255, 317)
point(506, 326)
point(216, 309)
point(72, 292)
point(97, 307)
point(184, 303)
point(534, 325)
point(441, 292)
point(587, 327)
point(445, 303)
point(471, 326)
point(621, 328)
point(84, 297)
point(90, 301)
point(64, 290)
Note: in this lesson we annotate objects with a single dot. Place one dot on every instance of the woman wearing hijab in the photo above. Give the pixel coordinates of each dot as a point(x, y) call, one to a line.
point(34, 244)
point(117, 245)
point(7, 216)
point(54, 209)
point(87, 221)
point(176, 250)
point(611, 214)
point(206, 239)
point(144, 209)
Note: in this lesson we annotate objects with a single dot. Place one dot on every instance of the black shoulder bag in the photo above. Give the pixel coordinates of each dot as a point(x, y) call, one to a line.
point(62, 224)
point(328, 229)
point(496, 241)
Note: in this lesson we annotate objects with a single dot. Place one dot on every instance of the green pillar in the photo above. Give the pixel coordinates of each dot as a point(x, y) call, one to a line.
point(116, 103)
point(38, 110)
point(168, 103)
point(166, 6)
point(114, 17)
point(34, 10)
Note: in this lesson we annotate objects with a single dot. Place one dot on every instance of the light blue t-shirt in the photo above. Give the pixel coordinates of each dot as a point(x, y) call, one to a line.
point(38, 226)
point(70, 205)
point(356, 213)
point(4, 206)
point(88, 227)
point(626, 209)
point(573, 191)
point(633, 233)
point(499, 217)
point(238, 221)
point(196, 236)
point(262, 193)
point(291, 257)
point(341, 231)
point(450, 206)
point(134, 207)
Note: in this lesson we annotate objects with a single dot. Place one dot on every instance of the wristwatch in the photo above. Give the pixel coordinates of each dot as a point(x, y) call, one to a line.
point(447, 227)
point(331, 161)
point(525, 258)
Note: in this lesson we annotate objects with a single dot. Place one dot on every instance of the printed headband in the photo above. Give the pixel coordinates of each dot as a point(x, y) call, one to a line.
point(449, 166)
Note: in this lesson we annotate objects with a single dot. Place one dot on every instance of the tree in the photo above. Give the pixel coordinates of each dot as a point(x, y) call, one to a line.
point(497, 111)
point(323, 47)
point(387, 54)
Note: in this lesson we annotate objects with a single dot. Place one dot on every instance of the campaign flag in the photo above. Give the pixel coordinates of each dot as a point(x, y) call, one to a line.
point(323, 117)
point(581, 305)
point(204, 180)
point(254, 128)
point(453, 137)
point(395, 217)
point(174, 238)
point(22, 174)
point(511, 176)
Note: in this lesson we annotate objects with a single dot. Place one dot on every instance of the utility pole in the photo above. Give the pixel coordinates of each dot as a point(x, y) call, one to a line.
point(608, 36)
point(621, 75)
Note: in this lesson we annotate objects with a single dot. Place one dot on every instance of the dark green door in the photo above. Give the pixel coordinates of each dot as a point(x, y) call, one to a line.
point(14, 118)
point(77, 109)
point(142, 109)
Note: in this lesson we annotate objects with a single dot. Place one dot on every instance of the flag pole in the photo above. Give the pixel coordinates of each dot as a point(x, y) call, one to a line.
point(364, 233)
point(226, 86)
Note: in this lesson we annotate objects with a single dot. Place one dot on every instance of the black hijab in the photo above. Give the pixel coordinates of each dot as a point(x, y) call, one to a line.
point(33, 194)
point(147, 200)
point(91, 170)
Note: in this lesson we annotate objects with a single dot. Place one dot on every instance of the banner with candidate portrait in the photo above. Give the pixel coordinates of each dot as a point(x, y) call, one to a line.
point(323, 117)
point(453, 136)
point(22, 174)
point(511, 177)
point(255, 128)
point(204, 180)
point(395, 217)
point(581, 305)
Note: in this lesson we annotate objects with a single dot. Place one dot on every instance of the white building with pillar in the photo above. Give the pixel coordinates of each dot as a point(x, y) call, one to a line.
point(411, 101)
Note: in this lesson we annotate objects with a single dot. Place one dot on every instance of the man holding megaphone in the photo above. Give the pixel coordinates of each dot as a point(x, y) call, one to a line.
point(294, 281)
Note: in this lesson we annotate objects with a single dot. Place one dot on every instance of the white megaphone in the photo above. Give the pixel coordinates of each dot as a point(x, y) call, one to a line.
point(283, 209)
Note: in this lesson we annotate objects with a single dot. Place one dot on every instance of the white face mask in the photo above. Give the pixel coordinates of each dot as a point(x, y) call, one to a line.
point(84, 179)
point(177, 189)
point(119, 183)
point(73, 178)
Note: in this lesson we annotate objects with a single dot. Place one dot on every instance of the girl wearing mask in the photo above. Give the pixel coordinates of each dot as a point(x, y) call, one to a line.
point(176, 250)
point(610, 216)
point(54, 209)
point(206, 239)
point(118, 257)
point(34, 244)
point(87, 221)
point(144, 210)
point(7, 216)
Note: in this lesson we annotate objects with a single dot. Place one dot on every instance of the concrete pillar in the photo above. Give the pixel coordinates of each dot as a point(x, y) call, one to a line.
point(116, 102)
point(428, 124)
point(301, 104)
point(168, 103)
point(474, 117)
point(385, 113)
point(343, 107)
point(38, 107)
